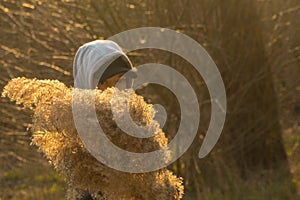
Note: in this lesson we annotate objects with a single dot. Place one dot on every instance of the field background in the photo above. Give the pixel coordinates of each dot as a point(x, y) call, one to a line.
point(256, 45)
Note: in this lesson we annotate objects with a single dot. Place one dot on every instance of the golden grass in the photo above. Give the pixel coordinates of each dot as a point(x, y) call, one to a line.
point(56, 136)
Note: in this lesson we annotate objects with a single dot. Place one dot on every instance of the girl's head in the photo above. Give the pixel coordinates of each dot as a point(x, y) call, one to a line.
point(100, 63)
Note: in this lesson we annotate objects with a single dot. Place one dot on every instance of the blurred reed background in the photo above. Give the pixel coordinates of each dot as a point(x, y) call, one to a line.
point(255, 44)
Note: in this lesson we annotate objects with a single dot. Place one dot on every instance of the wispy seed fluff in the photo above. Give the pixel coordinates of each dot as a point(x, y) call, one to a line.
point(55, 135)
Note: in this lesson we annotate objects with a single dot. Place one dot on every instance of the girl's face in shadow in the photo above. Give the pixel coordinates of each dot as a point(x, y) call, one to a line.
point(111, 82)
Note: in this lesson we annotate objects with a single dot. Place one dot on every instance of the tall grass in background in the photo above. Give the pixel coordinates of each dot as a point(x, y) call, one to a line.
point(255, 44)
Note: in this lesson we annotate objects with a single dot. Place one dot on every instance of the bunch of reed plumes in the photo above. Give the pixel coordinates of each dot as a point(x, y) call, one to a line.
point(55, 134)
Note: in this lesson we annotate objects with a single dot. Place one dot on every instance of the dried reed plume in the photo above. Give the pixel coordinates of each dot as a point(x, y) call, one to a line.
point(55, 134)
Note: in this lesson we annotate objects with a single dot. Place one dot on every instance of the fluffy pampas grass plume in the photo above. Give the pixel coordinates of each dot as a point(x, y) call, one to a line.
point(55, 135)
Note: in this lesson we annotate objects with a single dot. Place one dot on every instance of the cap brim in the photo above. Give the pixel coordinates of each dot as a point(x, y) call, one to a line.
point(119, 65)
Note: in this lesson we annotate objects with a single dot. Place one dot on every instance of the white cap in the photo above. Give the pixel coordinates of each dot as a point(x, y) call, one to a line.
point(98, 60)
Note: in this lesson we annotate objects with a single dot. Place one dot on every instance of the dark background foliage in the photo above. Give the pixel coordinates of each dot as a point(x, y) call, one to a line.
point(255, 44)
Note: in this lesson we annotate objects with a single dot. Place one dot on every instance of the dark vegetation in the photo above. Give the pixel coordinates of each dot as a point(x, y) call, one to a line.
point(255, 44)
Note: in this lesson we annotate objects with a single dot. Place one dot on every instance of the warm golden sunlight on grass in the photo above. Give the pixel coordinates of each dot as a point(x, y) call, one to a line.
point(256, 47)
